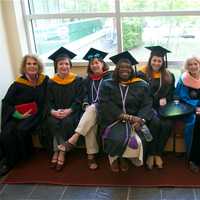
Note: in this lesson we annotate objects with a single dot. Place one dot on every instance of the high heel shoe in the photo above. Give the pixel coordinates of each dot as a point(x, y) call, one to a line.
point(54, 160)
point(61, 161)
point(158, 162)
point(150, 162)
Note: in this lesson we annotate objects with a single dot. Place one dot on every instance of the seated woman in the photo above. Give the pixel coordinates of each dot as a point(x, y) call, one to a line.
point(124, 99)
point(188, 89)
point(97, 71)
point(161, 83)
point(64, 98)
point(22, 112)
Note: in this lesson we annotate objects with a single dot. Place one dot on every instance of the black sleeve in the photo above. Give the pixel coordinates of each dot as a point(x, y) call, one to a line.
point(8, 105)
point(107, 109)
point(146, 111)
point(77, 104)
point(171, 91)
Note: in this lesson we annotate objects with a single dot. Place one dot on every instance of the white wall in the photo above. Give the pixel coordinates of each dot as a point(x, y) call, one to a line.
point(6, 72)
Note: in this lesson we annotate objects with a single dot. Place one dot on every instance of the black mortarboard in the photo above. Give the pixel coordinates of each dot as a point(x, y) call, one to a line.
point(175, 109)
point(62, 53)
point(159, 51)
point(124, 55)
point(94, 53)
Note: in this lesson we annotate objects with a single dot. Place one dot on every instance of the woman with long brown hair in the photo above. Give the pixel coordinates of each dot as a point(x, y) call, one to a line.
point(161, 82)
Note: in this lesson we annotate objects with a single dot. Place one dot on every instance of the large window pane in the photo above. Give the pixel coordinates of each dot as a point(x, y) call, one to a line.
point(179, 34)
point(67, 6)
point(158, 5)
point(77, 35)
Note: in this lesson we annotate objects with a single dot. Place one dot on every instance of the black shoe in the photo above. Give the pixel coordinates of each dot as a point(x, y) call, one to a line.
point(4, 169)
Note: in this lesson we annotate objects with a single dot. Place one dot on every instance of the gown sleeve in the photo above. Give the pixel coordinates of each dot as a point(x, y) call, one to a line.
point(183, 93)
point(107, 109)
point(8, 106)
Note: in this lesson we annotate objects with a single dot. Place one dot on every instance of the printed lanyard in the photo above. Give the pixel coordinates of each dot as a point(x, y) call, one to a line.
point(123, 96)
point(94, 100)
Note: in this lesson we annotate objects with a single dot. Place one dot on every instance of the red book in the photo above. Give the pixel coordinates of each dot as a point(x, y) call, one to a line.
point(23, 108)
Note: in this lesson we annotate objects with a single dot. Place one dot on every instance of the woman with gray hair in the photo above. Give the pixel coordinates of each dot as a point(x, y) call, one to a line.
point(188, 89)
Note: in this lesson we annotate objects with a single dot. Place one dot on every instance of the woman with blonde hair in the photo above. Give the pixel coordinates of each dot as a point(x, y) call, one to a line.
point(22, 112)
point(64, 98)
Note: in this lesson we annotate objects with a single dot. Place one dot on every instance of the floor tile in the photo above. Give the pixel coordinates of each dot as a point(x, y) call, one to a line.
point(111, 193)
point(177, 194)
point(197, 193)
point(2, 187)
point(47, 192)
point(14, 192)
point(144, 194)
point(79, 193)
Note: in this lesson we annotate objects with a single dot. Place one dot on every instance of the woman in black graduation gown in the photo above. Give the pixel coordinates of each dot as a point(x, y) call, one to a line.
point(161, 83)
point(125, 98)
point(64, 98)
point(22, 112)
point(97, 71)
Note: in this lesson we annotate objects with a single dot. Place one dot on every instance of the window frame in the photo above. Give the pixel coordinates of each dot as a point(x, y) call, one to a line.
point(115, 14)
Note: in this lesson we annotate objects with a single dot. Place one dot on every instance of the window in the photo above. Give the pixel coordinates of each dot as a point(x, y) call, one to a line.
point(113, 26)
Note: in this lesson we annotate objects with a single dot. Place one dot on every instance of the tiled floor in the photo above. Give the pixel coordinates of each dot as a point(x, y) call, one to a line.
point(52, 192)
point(43, 192)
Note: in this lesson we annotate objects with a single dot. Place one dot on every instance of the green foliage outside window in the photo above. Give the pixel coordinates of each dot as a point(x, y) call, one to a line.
point(132, 33)
point(83, 28)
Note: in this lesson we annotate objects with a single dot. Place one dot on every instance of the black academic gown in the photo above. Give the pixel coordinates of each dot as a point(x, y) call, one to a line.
point(62, 96)
point(164, 126)
point(138, 103)
point(15, 138)
point(194, 154)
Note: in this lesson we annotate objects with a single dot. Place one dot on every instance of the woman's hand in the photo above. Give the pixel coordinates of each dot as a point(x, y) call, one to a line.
point(136, 121)
point(61, 113)
point(198, 111)
point(163, 102)
point(66, 112)
point(26, 114)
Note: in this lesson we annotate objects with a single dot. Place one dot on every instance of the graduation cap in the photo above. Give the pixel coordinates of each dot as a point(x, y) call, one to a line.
point(94, 53)
point(124, 55)
point(175, 109)
point(62, 53)
point(159, 51)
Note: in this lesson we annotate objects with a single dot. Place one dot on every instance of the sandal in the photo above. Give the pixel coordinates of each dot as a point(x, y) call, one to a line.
point(92, 164)
point(114, 166)
point(67, 146)
point(124, 165)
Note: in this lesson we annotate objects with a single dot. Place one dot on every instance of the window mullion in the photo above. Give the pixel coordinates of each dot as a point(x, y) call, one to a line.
point(118, 26)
